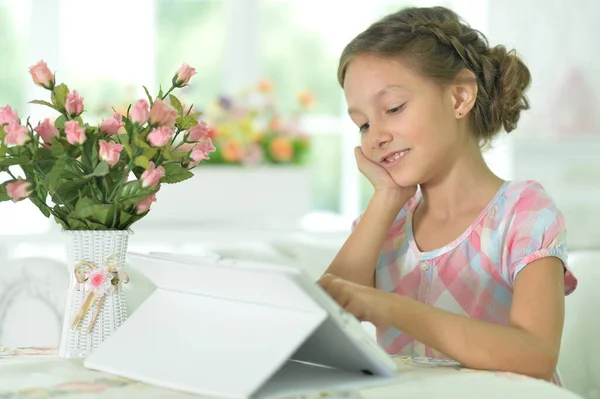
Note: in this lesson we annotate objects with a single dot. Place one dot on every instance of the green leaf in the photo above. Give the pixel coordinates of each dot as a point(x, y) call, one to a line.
point(150, 153)
point(98, 213)
point(149, 96)
point(89, 156)
point(59, 123)
point(41, 206)
point(124, 218)
point(68, 191)
point(60, 211)
point(43, 153)
point(42, 102)
point(101, 170)
point(160, 91)
point(72, 171)
point(176, 104)
point(3, 195)
point(133, 192)
point(57, 149)
point(17, 151)
point(140, 143)
point(95, 226)
point(186, 122)
point(59, 96)
point(142, 162)
point(3, 149)
point(128, 150)
point(129, 127)
point(75, 224)
point(6, 162)
point(175, 173)
point(55, 174)
point(61, 222)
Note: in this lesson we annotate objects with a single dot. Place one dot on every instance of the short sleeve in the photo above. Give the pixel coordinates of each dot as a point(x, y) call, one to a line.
point(537, 231)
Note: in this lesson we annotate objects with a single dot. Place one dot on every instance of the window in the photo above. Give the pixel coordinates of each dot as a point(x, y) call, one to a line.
point(232, 44)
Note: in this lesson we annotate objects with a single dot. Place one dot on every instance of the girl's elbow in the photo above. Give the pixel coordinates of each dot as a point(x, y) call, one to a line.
point(544, 366)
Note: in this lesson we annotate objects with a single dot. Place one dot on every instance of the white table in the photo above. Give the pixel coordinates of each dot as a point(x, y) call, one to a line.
point(38, 373)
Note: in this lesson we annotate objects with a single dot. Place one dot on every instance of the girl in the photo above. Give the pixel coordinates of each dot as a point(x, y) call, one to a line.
point(467, 266)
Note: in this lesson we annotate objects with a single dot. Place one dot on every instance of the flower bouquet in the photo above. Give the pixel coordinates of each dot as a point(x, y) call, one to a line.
point(249, 130)
point(96, 180)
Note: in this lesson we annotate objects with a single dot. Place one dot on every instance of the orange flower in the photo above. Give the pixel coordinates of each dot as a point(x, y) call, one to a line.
point(232, 150)
point(281, 149)
point(307, 99)
point(265, 86)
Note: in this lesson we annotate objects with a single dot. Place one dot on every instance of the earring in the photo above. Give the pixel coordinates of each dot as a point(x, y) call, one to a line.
point(460, 114)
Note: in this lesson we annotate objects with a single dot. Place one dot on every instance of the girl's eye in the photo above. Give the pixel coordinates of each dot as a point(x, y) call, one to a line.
point(364, 127)
point(396, 109)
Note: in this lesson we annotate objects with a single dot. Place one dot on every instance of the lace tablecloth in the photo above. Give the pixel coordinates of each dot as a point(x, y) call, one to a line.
point(36, 373)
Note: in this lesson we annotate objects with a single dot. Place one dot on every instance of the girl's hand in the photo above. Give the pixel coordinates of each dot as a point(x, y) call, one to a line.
point(380, 178)
point(365, 303)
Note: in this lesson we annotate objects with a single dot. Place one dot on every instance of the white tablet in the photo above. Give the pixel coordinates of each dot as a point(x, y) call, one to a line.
point(232, 328)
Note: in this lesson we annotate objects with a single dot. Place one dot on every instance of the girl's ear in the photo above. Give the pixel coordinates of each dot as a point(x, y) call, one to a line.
point(464, 92)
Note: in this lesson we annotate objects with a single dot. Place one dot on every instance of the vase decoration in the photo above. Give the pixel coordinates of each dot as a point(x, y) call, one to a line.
point(96, 181)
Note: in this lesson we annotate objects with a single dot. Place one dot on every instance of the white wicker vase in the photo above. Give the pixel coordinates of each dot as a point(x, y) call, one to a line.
point(95, 249)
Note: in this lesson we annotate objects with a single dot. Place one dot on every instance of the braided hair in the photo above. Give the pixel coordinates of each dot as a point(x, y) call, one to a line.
point(440, 45)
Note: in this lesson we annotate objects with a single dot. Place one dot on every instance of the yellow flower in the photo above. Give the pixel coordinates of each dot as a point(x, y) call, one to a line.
point(246, 125)
point(256, 136)
point(226, 130)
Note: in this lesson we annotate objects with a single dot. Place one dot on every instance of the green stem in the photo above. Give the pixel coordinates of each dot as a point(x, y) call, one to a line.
point(118, 195)
point(11, 174)
point(168, 92)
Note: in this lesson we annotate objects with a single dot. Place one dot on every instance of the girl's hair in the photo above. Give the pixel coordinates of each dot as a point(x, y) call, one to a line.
point(439, 45)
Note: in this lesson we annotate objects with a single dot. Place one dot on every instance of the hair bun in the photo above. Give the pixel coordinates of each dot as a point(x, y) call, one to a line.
point(506, 84)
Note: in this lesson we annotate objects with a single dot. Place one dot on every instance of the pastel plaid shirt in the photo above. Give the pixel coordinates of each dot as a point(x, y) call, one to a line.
point(473, 275)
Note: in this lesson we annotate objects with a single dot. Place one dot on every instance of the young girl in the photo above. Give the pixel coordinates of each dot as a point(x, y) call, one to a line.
point(467, 266)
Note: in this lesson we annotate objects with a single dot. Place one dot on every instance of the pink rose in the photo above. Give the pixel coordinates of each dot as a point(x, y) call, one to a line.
point(198, 154)
point(160, 136)
point(42, 75)
point(46, 131)
point(144, 205)
point(18, 190)
point(152, 176)
point(139, 112)
point(207, 146)
point(75, 133)
point(100, 281)
point(162, 114)
point(183, 75)
point(8, 116)
point(74, 104)
point(110, 152)
point(112, 125)
point(16, 134)
point(198, 132)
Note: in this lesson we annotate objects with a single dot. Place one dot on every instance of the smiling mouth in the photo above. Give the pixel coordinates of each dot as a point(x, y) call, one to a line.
point(393, 158)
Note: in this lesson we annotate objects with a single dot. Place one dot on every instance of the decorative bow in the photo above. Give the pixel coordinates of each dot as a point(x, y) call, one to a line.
point(100, 281)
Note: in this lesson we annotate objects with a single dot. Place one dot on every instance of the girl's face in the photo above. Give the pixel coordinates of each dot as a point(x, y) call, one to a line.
point(408, 123)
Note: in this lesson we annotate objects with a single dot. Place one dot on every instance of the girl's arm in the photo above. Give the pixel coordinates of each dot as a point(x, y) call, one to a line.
point(357, 259)
point(529, 345)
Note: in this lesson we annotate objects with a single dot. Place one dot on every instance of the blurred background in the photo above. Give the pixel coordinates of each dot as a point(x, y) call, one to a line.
point(287, 51)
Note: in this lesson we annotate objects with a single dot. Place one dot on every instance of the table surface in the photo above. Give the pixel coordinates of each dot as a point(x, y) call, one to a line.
point(28, 373)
